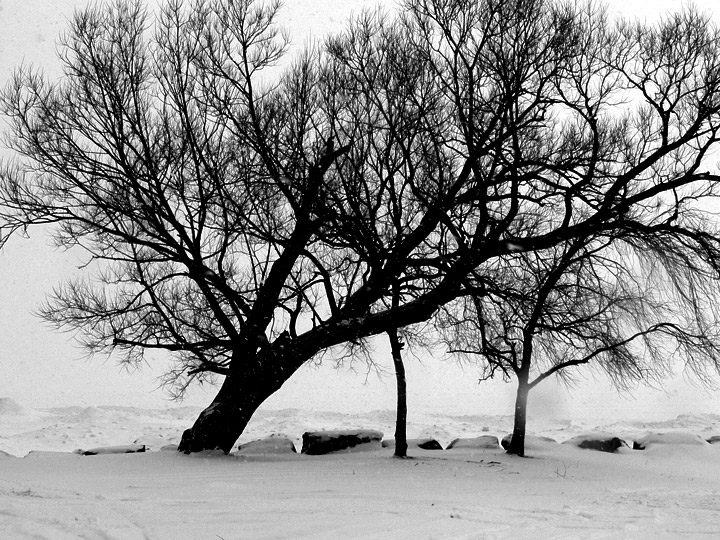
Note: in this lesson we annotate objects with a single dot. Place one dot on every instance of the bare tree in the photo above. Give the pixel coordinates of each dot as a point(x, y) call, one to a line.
point(247, 218)
point(618, 106)
point(194, 184)
point(589, 301)
point(396, 347)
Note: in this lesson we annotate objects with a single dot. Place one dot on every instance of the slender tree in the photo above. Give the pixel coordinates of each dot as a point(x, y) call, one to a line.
point(396, 347)
point(582, 303)
point(246, 218)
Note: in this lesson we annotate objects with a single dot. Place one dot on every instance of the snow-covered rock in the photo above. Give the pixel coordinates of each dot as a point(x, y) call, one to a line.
point(532, 442)
point(673, 438)
point(316, 443)
point(274, 444)
point(423, 444)
point(50, 453)
point(483, 442)
point(4, 455)
point(603, 442)
point(121, 449)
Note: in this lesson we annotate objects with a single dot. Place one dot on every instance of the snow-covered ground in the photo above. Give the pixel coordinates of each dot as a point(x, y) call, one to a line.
point(669, 490)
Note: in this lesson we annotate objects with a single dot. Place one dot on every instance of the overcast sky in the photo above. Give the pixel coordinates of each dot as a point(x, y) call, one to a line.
point(41, 367)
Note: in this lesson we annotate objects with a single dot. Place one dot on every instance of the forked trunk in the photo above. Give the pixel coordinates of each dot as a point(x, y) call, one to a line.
point(517, 443)
point(220, 425)
point(401, 445)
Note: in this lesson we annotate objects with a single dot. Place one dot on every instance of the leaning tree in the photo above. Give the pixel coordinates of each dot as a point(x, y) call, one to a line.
point(247, 217)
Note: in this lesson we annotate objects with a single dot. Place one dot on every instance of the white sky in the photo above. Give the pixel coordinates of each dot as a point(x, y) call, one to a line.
point(40, 367)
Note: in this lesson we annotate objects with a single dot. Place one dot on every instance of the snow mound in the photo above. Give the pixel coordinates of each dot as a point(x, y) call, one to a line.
point(10, 407)
point(675, 438)
point(274, 444)
point(484, 442)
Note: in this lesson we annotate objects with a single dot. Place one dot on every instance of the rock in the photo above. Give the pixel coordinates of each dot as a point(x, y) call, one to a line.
point(51, 453)
point(715, 439)
point(316, 443)
point(423, 444)
point(484, 442)
point(428, 444)
point(274, 444)
point(169, 448)
point(601, 442)
point(532, 442)
point(122, 449)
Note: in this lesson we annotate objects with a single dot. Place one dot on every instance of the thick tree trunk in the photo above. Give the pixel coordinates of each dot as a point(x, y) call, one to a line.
point(517, 443)
point(220, 425)
point(401, 418)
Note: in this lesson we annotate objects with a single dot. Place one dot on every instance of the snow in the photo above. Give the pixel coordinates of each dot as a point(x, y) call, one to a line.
point(670, 490)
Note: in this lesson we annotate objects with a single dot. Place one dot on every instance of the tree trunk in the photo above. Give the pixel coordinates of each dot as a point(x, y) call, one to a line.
point(517, 442)
point(220, 425)
point(401, 418)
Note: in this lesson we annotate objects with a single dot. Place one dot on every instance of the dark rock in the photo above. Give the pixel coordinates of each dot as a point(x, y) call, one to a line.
point(483, 442)
point(122, 449)
point(316, 443)
point(600, 442)
point(715, 439)
point(429, 444)
point(532, 442)
point(274, 444)
point(423, 444)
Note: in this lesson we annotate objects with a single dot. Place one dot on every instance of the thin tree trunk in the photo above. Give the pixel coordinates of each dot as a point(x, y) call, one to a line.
point(517, 443)
point(401, 445)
